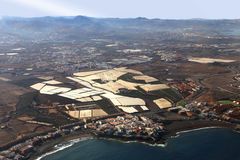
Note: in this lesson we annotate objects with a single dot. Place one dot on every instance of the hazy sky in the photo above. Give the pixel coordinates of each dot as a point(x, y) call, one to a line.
point(173, 9)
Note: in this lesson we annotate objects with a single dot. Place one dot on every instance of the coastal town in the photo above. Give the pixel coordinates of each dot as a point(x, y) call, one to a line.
point(116, 103)
point(144, 86)
point(126, 127)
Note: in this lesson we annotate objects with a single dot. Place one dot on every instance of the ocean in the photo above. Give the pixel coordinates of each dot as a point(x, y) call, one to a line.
point(204, 144)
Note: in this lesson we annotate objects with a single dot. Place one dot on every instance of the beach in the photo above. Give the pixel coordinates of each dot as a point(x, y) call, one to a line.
point(50, 145)
point(209, 143)
point(174, 129)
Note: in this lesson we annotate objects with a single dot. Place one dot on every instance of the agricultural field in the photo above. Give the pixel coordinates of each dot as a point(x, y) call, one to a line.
point(107, 84)
point(209, 60)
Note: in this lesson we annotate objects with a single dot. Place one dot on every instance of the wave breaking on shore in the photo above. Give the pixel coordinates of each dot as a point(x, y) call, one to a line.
point(193, 130)
point(62, 146)
point(136, 141)
point(198, 129)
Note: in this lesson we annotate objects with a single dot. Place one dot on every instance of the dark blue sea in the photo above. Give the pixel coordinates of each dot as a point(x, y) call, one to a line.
point(206, 144)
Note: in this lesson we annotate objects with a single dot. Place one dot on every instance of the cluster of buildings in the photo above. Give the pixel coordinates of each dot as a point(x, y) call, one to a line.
point(168, 57)
point(201, 110)
point(91, 57)
point(236, 79)
point(227, 111)
point(130, 60)
point(186, 88)
point(129, 127)
point(25, 149)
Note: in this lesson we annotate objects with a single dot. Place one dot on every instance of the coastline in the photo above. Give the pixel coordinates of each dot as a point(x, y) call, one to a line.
point(173, 132)
point(186, 126)
point(51, 146)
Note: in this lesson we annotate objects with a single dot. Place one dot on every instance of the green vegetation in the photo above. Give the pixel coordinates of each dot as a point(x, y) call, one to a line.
point(228, 102)
point(182, 103)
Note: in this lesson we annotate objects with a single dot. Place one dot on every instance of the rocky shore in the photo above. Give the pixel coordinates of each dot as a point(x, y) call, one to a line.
point(172, 130)
point(125, 128)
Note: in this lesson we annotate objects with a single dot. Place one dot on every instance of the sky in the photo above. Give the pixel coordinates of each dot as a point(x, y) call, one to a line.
point(164, 9)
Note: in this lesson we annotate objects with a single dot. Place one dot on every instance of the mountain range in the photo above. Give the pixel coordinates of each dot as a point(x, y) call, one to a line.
point(79, 27)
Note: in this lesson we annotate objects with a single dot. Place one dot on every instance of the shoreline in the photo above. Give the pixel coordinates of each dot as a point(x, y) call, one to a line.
point(185, 126)
point(62, 146)
point(51, 146)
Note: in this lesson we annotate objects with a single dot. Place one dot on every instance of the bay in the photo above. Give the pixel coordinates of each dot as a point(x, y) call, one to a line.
point(206, 144)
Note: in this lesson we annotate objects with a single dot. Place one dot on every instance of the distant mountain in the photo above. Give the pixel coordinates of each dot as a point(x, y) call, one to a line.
point(79, 27)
